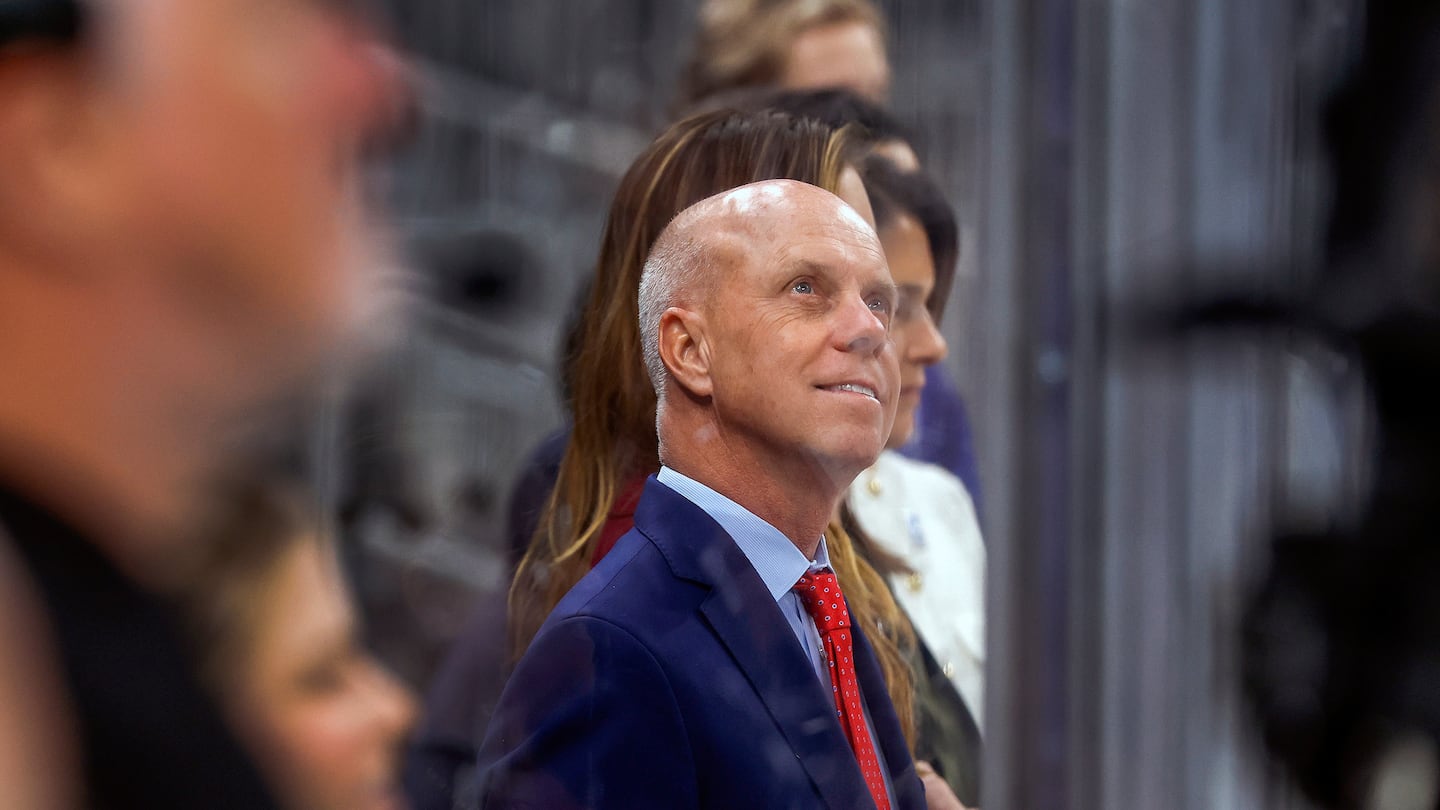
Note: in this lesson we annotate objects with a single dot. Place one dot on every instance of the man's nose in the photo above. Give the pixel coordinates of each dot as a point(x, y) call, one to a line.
point(373, 86)
point(859, 328)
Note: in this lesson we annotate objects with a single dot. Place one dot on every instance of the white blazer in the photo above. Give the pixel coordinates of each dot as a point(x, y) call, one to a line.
point(923, 515)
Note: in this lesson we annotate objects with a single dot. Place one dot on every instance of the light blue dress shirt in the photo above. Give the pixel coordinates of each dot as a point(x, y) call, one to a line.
point(780, 565)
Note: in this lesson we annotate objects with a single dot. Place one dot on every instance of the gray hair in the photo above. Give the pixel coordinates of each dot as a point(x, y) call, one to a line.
point(671, 272)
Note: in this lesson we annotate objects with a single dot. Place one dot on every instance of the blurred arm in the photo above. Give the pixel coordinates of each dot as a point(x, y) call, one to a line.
point(37, 763)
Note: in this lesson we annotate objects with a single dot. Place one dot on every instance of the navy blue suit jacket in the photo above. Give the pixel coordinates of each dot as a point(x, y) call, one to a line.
point(668, 678)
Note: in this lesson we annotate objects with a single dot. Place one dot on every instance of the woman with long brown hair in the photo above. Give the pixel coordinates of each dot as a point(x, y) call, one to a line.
point(611, 401)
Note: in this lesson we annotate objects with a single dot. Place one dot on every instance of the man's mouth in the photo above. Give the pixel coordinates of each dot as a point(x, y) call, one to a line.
point(853, 388)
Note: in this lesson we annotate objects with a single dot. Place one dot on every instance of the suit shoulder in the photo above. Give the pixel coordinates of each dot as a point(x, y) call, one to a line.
point(596, 631)
point(632, 588)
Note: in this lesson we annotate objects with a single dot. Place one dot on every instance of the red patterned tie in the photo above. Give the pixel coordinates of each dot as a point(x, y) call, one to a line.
point(820, 593)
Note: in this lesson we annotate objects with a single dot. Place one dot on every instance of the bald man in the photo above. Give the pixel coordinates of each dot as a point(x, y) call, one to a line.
point(180, 241)
point(708, 660)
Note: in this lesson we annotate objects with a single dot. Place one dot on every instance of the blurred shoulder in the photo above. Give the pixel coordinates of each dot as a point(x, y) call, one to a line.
point(38, 764)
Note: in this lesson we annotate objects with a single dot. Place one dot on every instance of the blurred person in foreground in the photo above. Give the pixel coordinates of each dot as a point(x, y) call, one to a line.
point(585, 499)
point(798, 44)
point(269, 612)
point(1341, 630)
point(179, 233)
point(709, 659)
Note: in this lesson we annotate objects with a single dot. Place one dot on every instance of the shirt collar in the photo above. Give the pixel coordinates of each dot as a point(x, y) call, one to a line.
point(778, 562)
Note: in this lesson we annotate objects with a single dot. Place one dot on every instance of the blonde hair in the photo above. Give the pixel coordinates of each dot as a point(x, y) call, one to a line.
point(743, 43)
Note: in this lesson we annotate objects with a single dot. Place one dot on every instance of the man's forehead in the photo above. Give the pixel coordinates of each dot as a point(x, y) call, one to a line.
point(767, 219)
point(762, 203)
point(774, 225)
point(758, 198)
point(840, 252)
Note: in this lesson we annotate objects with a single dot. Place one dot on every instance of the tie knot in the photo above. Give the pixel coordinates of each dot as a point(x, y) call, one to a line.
point(821, 596)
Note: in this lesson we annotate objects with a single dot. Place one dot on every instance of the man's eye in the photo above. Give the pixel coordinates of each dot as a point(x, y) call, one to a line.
point(802, 287)
point(880, 305)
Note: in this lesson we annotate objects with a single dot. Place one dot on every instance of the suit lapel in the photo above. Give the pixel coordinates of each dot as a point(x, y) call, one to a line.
point(747, 621)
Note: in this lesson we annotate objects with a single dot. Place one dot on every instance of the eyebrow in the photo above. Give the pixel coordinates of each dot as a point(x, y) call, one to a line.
point(809, 266)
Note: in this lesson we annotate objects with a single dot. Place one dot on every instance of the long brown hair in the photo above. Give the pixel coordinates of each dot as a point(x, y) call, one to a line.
point(612, 402)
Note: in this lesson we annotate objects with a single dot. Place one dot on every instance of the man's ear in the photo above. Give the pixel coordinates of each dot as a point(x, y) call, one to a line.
point(684, 351)
point(57, 170)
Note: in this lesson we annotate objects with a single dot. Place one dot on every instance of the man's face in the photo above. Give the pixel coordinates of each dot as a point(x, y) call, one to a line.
point(802, 362)
point(239, 122)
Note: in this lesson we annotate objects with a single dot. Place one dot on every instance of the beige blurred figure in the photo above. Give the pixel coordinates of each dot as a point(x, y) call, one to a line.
point(180, 238)
point(797, 44)
point(278, 640)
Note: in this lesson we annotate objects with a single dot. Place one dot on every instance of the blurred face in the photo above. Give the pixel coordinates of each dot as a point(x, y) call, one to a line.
point(801, 359)
point(239, 123)
point(846, 54)
point(918, 342)
point(325, 720)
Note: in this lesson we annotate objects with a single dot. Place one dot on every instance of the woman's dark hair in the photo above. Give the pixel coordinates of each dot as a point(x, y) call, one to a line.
point(895, 193)
point(40, 20)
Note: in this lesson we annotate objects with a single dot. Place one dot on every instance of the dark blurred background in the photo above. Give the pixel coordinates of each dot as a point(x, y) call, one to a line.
point(1110, 158)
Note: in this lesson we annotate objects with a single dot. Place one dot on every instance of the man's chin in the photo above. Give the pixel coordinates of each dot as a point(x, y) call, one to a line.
point(847, 460)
